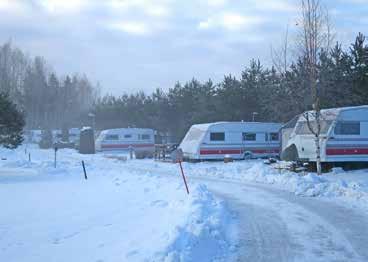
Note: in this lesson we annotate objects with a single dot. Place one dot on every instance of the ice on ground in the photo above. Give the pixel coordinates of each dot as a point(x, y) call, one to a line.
point(118, 214)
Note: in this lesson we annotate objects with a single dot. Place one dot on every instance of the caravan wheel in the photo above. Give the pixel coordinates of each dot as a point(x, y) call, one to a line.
point(248, 155)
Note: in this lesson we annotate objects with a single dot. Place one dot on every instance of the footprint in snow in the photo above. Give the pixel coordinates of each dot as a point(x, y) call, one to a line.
point(132, 253)
point(159, 203)
point(56, 241)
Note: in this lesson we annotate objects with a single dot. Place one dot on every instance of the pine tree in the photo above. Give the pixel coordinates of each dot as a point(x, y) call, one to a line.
point(359, 54)
point(11, 123)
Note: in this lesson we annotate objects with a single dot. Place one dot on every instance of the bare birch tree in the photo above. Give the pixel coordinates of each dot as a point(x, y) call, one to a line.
point(280, 55)
point(315, 36)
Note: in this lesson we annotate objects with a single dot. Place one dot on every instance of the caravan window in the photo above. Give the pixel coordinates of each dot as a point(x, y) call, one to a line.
point(274, 136)
point(112, 137)
point(347, 128)
point(303, 129)
point(145, 137)
point(127, 136)
point(217, 136)
point(249, 136)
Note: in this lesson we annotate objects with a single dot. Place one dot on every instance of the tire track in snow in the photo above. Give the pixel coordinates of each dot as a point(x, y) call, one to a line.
point(278, 226)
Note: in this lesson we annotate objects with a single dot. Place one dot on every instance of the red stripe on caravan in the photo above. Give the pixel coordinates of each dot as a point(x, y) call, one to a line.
point(346, 151)
point(236, 151)
point(126, 146)
point(265, 151)
point(219, 151)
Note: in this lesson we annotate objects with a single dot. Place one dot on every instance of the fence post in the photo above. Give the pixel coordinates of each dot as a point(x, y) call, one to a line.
point(131, 152)
point(55, 149)
point(84, 170)
point(185, 181)
point(178, 156)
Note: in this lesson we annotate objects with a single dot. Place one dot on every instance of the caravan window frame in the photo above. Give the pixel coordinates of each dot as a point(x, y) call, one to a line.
point(303, 129)
point(272, 138)
point(221, 134)
point(341, 128)
point(245, 134)
point(108, 137)
point(145, 137)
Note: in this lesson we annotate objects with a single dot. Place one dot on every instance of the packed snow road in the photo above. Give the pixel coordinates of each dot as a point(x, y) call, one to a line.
point(279, 226)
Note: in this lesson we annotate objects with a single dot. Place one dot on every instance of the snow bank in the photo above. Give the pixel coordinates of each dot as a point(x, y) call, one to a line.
point(119, 214)
point(349, 186)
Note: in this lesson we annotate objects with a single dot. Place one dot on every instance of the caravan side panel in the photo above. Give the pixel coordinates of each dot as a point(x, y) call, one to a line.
point(349, 139)
point(125, 138)
point(240, 140)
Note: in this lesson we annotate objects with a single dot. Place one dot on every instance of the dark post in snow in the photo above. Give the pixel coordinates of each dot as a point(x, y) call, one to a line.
point(177, 156)
point(55, 150)
point(84, 170)
point(131, 152)
point(29, 157)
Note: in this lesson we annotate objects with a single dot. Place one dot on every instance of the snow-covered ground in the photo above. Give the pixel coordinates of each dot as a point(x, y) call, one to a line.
point(349, 187)
point(118, 214)
point(138, 210)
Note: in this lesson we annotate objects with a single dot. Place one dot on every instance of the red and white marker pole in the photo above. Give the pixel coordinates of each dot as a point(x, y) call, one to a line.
point(179, 159)
point(182, 173)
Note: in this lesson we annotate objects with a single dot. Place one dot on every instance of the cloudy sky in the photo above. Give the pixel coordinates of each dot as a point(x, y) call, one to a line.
point(130, 45)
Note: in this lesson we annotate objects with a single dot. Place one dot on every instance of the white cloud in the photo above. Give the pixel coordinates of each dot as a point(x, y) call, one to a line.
point(230, 21)
point(62, 6)
point(276, 5)
point(234, 21)
point(131, 27)
point(11, 6)
point(216, 3)
point(158, 8)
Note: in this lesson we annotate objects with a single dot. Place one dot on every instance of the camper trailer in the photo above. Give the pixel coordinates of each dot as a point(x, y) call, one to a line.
point(238, 140)
point(73, 135)
point(34, 136)
point(344, 136)
point(137, 139)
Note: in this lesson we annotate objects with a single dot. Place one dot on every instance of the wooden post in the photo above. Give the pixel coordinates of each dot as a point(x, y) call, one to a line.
point(131, 152)
point(179, 158)
point(84, 170)
point(185, 181)
point(55, 149)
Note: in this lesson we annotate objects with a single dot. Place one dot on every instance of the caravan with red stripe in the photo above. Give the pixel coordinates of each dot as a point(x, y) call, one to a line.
point(124, 139)
point(344, 136)
point(239, 140)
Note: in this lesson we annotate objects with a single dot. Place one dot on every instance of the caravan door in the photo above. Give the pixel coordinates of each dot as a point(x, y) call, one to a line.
point(250, 140)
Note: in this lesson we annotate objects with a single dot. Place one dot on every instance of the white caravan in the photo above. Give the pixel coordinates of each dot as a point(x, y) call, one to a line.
point(239, 140)
point(74, 134)
point(344, 136)
point(34, 136)
point(139, 139)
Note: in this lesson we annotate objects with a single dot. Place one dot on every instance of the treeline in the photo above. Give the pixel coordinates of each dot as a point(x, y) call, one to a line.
point(47, 100)
point(265, 94)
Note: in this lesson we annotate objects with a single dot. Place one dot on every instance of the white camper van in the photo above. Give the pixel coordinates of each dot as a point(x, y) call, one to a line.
point(344, 136)
point(139, 139)
point(239, 140)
